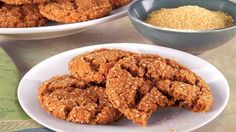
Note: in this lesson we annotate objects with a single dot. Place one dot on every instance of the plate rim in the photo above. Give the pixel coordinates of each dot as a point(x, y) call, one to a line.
point(106, 45)
point(66, 26)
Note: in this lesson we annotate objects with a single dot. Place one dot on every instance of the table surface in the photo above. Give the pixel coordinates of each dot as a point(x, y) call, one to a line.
point(26, 54)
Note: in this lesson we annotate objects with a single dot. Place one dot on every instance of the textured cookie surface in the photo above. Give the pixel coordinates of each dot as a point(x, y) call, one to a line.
point(94, 66)
point(20, 16)
point(119, 3)
point(70, 99)
point(69, 11)
point(138, 85)
point(21, 2)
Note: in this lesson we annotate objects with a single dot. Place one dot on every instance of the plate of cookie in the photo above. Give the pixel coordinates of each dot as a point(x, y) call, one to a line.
point(42, 19)
point(123, 87)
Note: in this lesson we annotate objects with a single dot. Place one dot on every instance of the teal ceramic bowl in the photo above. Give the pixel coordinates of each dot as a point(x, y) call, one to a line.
point(192, 41)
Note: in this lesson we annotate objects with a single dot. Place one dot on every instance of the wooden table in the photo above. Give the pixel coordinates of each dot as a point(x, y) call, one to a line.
point(26, 54)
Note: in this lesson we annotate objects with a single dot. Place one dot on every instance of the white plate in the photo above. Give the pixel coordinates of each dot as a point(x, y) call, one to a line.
point(163, 120)
point(53, 29)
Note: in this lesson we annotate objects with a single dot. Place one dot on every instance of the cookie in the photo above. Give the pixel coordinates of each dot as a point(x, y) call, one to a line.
point(94, 66)
point(119, 3)
point(140, 84)
point(72, 100)
point(23, 2)
point(20, 16)
point(69, 11)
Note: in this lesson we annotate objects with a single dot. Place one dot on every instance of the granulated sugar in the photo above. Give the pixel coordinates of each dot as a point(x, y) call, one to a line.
point(189, 18)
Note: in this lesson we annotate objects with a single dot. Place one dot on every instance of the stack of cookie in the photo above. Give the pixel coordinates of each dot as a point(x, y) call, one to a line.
point(106, 85)
point(32, 13)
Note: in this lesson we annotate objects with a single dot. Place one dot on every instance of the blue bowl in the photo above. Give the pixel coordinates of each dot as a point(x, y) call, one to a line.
point(192, 41)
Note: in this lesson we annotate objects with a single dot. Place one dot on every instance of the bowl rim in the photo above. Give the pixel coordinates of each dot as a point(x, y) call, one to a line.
point(131, 7)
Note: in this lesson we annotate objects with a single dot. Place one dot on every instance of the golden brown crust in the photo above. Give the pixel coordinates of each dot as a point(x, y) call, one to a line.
point(69, 11)
point(119, 3)
point(105, 84)
point(94, 66)
point(23, 2)
point(70, 99)
point(138, 85)
point(20, 16)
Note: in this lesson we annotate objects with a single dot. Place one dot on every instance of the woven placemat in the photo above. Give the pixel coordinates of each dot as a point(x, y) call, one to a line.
point(12, 117)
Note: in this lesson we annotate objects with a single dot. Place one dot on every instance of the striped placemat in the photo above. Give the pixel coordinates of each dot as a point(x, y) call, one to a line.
point(12, 117)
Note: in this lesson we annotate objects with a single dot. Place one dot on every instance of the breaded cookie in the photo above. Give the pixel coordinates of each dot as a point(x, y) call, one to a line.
point(119, 3)
point(69, 11)
point(23, 2)
point(94, 66)
point(138, 85)
point(20, 16)
point(70, 99)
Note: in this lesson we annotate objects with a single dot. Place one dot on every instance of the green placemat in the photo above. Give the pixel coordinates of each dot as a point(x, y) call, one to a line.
point(12, 117)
